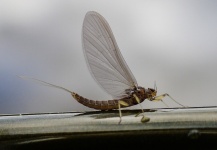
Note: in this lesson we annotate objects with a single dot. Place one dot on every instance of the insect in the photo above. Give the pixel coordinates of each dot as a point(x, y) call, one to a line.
point(109, 69)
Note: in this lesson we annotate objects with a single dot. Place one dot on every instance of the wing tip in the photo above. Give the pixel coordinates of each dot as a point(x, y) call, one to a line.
point(92, 13)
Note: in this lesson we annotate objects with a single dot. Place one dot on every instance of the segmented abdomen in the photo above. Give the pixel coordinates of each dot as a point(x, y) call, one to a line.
point(101, 105)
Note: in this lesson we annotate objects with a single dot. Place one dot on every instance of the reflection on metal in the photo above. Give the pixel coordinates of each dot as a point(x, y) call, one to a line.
point(179, 125)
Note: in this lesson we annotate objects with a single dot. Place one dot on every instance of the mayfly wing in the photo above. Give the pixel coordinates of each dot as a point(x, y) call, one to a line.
point(104, 58)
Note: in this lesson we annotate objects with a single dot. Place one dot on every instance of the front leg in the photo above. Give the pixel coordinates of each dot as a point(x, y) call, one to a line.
point(160, 97)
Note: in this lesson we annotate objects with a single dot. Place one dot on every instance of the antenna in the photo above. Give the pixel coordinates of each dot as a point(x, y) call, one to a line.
point(155, 86)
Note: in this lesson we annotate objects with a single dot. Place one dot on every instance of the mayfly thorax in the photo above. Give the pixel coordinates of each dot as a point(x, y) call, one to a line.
point(109, 69)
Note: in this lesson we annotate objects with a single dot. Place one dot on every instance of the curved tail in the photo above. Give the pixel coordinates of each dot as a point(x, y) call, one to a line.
point(46, 83)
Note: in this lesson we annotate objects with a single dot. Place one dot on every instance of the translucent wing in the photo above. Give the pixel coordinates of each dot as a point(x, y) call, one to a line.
point(104, 58)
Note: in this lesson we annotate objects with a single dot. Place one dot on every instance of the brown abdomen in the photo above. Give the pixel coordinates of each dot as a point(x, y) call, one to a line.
point(100, 105)
point(107, 105)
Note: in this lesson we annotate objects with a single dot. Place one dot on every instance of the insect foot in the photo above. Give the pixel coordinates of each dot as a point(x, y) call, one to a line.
point(145, 119)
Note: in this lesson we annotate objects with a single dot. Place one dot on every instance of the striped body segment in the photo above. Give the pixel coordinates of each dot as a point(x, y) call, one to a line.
point(110, 104)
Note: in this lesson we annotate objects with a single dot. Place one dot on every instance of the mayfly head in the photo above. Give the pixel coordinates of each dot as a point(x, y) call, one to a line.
point(152, 92)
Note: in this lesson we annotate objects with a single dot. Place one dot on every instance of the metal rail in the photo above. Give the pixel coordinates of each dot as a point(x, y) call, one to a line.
point(186, 127)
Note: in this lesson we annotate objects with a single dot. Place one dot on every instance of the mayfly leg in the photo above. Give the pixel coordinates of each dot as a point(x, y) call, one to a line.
point(144, 118)
point(160, 97)
point(123, 103)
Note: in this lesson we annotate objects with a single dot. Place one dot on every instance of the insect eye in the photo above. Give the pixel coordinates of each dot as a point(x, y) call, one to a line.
point(152, 90)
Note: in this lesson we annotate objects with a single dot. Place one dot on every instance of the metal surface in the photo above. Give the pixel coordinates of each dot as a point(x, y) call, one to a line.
point(177, 125)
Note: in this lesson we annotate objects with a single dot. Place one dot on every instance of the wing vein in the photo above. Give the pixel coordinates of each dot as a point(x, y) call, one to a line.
point(103, 57)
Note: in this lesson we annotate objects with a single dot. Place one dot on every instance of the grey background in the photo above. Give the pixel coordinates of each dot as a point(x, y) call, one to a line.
point(170, 42)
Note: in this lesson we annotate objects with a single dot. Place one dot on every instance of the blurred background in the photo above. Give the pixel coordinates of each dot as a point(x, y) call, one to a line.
point(171, 42)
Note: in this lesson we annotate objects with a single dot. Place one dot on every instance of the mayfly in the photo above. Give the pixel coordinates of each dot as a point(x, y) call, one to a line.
point(109, 69)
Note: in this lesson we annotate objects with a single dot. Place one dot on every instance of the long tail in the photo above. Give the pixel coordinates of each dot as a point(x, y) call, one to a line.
point(45, 83)
point(99, 105)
